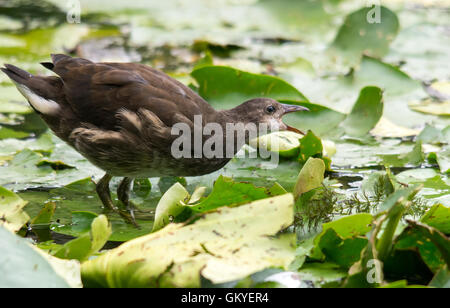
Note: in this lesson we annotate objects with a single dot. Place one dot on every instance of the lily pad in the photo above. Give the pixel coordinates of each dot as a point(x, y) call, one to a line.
point(431, 107)
point(222, 246)
point(368, 31)
point(22, 266)
point(310, 176)
point(366, 112)
point(438, 217)
point(12, 216)
point(226, 87)
point(87, 244)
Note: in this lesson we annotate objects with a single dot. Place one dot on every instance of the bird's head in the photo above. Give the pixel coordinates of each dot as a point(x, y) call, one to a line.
point(267, 111)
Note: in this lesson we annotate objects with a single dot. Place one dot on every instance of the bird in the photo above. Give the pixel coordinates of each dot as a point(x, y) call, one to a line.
point(121, 116)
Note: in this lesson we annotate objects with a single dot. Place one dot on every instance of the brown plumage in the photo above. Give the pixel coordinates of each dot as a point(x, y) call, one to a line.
point(120, 116)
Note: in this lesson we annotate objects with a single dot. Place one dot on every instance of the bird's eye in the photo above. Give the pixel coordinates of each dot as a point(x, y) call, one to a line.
point(270, 109)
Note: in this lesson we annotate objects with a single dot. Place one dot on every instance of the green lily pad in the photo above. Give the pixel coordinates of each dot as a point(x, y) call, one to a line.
point(344, 252)
point(310, 146)
point(87, 244)
point(314, 118)
point(366, 112)
point(438, 217)
point(369, 30)
point(415, 157)
point(226, 87)
point(227, 192)
point(346, 227)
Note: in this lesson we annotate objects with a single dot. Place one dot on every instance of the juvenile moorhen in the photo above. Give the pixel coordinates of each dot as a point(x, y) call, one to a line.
point(120, 115)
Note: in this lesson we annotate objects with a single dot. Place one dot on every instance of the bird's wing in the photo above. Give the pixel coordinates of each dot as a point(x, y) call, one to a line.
point(97, 92)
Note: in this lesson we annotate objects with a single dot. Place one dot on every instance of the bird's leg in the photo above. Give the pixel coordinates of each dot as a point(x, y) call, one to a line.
point(104, 193)
point(123, 193)
point(105, 196)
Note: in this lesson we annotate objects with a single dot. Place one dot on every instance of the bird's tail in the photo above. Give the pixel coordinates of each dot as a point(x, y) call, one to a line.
point(39, 91)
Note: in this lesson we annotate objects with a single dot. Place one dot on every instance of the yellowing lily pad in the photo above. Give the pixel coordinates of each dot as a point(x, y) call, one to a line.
point(12, 216)
point(432, 107)
point(222, 246)
point(386, 128)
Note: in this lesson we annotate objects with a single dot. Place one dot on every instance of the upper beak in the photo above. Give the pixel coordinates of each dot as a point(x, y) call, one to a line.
point(293, 108)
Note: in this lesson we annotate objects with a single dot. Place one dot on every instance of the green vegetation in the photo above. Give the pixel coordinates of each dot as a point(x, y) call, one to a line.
point(361, 200)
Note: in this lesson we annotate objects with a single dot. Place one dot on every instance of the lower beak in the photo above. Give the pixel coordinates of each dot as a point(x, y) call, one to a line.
point(295, 130)
point(293, 108)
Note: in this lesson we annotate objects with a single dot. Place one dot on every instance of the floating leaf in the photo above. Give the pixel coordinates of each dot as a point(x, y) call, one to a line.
point(346, 227)
point(415, 157)
point(222, 246)
point(365, 113)
point(310, 146)
point(226, 87)
point(438, 217)
point(12, 216)
point(386, 128)
point(344, 252)
point(310, 177)
point(227, 192)
point(443, 159)
point(367, 31)
point(431, 107)
point(23, 266)
point(87, 244)
point(314, 119)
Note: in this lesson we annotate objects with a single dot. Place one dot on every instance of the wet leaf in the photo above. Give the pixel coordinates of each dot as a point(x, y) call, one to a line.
point(432, 107)
point(310, 176)
point(87, 244)
point(171, 204)
point(310, 146)
point(367, 31)
point(365, 113)
point(415, 157)
point(23, 266)
point(346, 227)
point(226, 87)
point(438, 217)
point(227, 192)
point(12, 216)
point(314, 119)
point(218, 246)
point(285, 143)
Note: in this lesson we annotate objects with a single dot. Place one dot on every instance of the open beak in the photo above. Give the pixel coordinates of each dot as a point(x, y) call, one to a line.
point(293, 108)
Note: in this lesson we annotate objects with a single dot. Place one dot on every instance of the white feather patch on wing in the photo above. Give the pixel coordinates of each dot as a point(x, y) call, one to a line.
point(45, 106)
